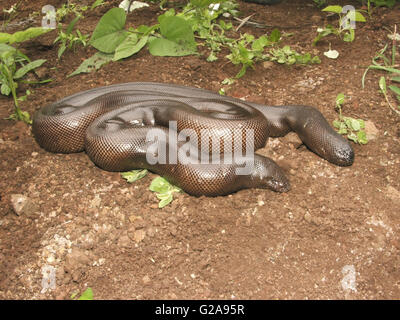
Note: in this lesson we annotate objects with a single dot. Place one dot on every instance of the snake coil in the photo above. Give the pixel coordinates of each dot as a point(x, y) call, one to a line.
point(112, 124)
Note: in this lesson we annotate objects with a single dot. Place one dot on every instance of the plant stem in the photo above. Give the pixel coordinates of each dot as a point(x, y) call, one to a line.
point(11, 84)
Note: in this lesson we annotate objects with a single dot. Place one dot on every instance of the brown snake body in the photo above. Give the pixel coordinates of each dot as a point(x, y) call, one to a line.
point(112, 125)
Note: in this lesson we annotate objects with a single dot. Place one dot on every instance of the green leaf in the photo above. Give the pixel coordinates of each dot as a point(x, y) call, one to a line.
point(395, 89)
point(396, 79)
point(260, 43)
point(134, 175)
point(275, 35)
point(61, 50)
point(28, 67)
point(72, 24)
point(87, 295)
point(362, 137)
point(30, 33)
point(228, 81)
point(355, 125)
point(334, 9)
point(109, 32)
point(129, 46)
point(336, 123)
point(164, 190)
point(359, 17)
point(178, 38)
point(4, 37)
point(382, 84)
point(6, 48)
point(349, 36)
point(96, 4)
point(177, 29)
point(212, 57)
point(159, 185)
point(5, 89)
point(352, 136)
point(164, 47)
point(95, 62)
point(340, 98)
point(25, 117)
point(74, 294)
point(165, 199)
point(315, 60)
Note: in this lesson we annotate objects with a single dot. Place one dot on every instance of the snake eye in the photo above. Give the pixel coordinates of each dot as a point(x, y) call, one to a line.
point(64, 110)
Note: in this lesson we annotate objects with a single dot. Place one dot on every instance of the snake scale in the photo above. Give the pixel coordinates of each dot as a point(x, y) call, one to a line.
point(112, 124)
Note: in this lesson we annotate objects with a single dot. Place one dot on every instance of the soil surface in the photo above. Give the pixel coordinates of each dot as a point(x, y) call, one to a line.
point(335, 235)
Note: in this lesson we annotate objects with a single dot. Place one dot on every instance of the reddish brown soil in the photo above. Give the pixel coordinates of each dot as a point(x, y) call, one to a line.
point(255, 244)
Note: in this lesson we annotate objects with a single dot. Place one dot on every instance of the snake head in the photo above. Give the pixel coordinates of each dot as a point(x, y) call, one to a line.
point(344, 155)
point(267, 174)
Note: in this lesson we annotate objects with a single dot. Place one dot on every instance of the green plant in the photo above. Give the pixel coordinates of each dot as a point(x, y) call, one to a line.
point(396, 90)
point(21, 36)
point(379, 3)
point(96, 4)
point(69, 39)
point(376, 3)
point(172, 36)
point(134, 175)
point(14, 65)
point(382, 62)
point(164, 191)
point(202, 15)
point(320, 3)
point(247, 50)
point(344, 29)
point(68, 8)
point(175, 35)
point(353, 128)
point(287, 55)
point(9, 14)
point(86, 295)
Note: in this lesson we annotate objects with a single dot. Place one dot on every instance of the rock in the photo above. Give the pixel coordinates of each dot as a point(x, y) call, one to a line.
point(151, 232)
point(290, 166)
point(77, 275)
point(371, 130)
point(18, 130)
point(316, 19)
point(76, 259)
point(146, 279)
point(124, 241)
point(139, 235)
point(137, 221)
point(22, 205)
point(95, 203)
point(240, 92)
point(393, 194)
point(42, 72)
point(268, 64)
point(293, 139)
point(308, 217)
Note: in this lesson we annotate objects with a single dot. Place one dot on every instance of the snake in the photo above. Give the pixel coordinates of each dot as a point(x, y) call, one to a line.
point(197, 139)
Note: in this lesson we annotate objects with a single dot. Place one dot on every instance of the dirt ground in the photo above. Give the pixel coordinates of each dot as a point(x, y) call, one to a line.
point(335, 235)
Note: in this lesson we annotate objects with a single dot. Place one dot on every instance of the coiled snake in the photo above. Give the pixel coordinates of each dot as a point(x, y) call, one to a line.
point(112, 124)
